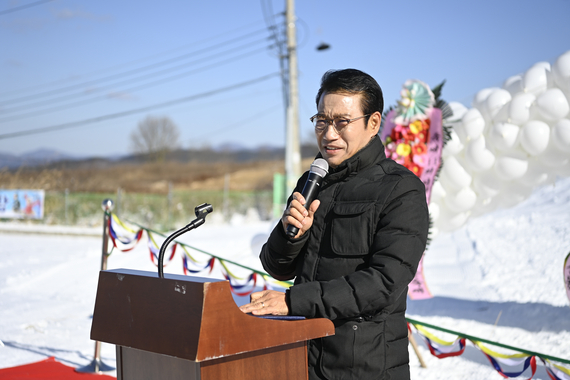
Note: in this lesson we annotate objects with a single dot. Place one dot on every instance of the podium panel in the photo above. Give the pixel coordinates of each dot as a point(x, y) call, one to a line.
point(181, 327)
point(278, 363)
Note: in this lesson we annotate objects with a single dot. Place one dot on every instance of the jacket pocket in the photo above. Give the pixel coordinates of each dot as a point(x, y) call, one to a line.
point(356, 351)
point(351, 228)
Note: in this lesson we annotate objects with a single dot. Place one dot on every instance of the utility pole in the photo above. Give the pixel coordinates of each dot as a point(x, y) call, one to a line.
point(292, 142)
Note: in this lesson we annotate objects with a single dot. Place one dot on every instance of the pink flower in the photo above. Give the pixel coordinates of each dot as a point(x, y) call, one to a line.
point(420, 160)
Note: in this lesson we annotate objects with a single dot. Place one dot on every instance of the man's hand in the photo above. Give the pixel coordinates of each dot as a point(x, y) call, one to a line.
point(266, 302)
point(297, 215)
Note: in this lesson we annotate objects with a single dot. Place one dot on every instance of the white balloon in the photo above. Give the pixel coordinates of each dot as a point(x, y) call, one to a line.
point(519, 108)
point(496, 102)
point(513, 194)
point(535, 136)
point(561, 71)
point(535, 175)
point(481, 97)
point(437, 192)
point(543, 65)
point(504, 136)
point(552, 157)
point(453, 145)
point(513, 84)
point(483, 206)
point(449, 221)
point(487, 185)
point(535, 80)
point(563, 171)
point(473, 123)
point(458, 110)
point(433, 211)
point(480, 100)
point(461, 201)
point(511, 166)
point(561, 135)
point(477, 156)
point(552, 104)
point(453, 175)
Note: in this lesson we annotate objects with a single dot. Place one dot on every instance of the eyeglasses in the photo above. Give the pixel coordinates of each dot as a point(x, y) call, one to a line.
point(321, 123)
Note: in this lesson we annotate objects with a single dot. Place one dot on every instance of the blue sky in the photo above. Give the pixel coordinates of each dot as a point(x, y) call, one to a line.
point(67, 61)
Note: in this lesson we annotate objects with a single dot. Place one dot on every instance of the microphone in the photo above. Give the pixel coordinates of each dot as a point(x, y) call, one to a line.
point(319, 169)
point(201, 212)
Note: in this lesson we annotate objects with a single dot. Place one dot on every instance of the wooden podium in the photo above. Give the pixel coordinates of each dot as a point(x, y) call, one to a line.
point(181, 327)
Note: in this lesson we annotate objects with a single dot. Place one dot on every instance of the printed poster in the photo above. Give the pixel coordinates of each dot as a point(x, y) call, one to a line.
point(22, 204)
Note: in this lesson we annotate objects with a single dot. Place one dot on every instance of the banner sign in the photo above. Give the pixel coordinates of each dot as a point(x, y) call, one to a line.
point(417, 146)
point(418, 288)
point(412, 135)
point(22, 204)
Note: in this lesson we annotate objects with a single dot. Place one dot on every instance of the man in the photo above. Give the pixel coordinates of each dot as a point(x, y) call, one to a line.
point(359, 243)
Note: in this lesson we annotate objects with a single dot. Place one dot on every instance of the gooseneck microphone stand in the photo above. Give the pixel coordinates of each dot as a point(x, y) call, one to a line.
point(201, 212)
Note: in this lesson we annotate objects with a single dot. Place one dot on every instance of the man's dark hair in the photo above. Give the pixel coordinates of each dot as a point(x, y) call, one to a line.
point(353, 81)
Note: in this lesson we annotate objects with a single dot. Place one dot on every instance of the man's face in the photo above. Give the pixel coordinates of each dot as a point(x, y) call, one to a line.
point(337, 147)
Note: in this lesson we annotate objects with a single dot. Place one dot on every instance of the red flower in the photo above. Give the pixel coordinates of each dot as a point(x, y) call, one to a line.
point(422, 137)
point(397, 132)
point(414, 168)
point(419, 148)
point(408, 135)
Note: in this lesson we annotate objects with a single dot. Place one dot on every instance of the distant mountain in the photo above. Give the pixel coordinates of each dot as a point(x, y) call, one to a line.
point(222, 153)
point(48, 155)
point(229, 147)
point(9, 160)
point(42, 156)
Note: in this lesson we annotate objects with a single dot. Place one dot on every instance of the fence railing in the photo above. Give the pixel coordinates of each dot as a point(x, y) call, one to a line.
point(161, 211)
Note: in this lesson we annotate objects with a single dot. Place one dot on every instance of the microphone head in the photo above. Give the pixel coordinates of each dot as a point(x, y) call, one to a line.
point(320, 167)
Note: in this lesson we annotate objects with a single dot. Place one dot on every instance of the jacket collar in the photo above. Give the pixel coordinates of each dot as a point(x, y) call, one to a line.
point(372, 153)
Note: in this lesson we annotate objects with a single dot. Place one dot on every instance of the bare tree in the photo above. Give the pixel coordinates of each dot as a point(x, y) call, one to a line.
point(155, 136)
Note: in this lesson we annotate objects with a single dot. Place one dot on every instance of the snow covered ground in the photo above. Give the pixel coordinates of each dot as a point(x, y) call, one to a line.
point(499, 278)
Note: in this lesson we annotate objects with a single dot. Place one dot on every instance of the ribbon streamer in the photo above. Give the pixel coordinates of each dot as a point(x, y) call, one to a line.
point(155, 250)
point(441, 349)
point(235, 287)
point(126, 238)
point(127, 242)
point(555, 371)
point(186, 268)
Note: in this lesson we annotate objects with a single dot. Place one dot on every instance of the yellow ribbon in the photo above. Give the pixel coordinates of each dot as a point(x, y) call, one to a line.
point(496, 354)
point(120, 223)
point(433, 337)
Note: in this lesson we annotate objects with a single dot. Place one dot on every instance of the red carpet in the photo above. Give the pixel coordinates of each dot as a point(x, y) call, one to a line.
point(47, 369)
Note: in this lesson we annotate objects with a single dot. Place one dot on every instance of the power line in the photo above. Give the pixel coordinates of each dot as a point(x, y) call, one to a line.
point(136, 61)
point(160, 81)
point(151, 84)
point(134, 111)
point(123, 74)
point(21, 7)
point(279, 44)
point(238, 124)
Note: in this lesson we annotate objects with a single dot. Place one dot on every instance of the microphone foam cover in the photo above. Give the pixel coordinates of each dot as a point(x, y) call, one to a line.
point(320, 166)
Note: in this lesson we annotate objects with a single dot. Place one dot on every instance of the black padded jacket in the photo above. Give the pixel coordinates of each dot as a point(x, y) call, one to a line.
point(354, 265)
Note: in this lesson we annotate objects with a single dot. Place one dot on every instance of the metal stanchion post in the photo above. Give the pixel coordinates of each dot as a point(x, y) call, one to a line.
point(97, 365)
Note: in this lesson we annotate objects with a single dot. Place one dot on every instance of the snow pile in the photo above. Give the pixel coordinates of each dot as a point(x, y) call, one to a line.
point(499, 277)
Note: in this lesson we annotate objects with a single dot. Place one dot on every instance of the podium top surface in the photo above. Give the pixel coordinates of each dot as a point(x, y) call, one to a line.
point(193, 318)
point(181, 277)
